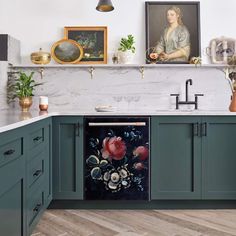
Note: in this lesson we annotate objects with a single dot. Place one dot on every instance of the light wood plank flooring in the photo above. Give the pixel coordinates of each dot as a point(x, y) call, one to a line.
point(137, 223)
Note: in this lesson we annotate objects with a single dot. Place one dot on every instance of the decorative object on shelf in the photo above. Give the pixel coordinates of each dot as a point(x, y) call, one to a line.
point(126, 49)
point(93, 39)
point(232, 60)
point(104, 6)
point(195, 60)
point(43, 103)
point(67, 51)
point(221, 50)
point(24, 87)
point(40, 57)
point(115, 58)
point(183, 31)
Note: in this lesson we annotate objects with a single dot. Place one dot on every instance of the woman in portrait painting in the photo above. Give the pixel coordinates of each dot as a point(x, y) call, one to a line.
point(174, 44)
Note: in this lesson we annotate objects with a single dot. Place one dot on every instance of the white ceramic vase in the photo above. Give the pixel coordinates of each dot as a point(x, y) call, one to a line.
point(126, 57)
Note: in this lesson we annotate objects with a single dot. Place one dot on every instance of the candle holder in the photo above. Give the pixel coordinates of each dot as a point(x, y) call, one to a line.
point(43, 103)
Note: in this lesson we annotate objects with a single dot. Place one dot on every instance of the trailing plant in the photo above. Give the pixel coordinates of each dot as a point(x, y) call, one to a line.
point(127, 44)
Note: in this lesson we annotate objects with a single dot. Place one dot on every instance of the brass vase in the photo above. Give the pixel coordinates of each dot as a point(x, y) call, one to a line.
point(25, 103)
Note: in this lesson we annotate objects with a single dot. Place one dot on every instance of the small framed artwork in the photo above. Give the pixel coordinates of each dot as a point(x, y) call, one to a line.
point(172, 32)
point(93, 40)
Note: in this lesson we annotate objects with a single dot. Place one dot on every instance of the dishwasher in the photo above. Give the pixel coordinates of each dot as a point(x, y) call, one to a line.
point(116, 158)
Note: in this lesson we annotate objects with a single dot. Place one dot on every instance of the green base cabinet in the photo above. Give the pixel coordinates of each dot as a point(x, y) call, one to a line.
point(12, 182)
point(193, 158)
point(38, 171)
point(219, 158)
point(175, 158)
point(68, 158)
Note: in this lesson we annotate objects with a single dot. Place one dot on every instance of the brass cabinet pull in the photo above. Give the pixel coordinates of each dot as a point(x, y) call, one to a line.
point(9, 152)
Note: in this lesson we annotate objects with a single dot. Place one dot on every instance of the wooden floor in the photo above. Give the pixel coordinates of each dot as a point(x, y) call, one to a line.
point(137, 222)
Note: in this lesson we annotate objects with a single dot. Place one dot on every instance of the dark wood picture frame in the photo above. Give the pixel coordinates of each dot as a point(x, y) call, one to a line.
point(93, 39)
point(155, 15)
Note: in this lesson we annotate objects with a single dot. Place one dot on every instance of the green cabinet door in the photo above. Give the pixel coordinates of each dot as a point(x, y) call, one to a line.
point(175, 158)
point(12, 214)
point(68, 157)
point(219, 158)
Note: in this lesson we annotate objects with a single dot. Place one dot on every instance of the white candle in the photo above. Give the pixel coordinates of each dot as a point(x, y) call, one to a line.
point(43, 103)
point(43, 100)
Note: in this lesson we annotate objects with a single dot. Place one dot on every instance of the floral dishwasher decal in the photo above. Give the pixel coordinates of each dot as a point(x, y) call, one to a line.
point(116, 158)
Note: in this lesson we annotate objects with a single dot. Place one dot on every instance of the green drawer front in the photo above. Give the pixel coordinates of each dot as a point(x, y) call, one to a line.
point(37, 138)
point(35, 206)
point(35, 170)
point(11, 150)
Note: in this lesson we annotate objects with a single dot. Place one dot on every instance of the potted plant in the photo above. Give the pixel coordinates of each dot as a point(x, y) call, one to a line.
point(126, 49)
point(24, 88)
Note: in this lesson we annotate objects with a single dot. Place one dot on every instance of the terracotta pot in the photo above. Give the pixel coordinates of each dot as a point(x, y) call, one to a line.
point(25, 103)
point(232, 106)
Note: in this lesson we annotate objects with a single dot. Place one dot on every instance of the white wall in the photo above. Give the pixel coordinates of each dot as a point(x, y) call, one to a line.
point(40, 23)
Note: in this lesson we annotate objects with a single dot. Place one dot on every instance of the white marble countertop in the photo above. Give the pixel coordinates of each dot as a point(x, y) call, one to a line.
point(11, 119)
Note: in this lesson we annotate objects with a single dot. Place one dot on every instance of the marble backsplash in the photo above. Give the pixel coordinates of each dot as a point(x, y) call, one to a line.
point(72, 89)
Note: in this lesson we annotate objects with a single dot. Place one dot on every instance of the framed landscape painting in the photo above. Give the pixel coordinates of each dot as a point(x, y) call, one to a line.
point(93, 40)
point(172, 31)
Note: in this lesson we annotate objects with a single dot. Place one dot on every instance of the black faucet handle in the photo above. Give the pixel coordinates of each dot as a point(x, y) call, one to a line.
point(174, 94)
point(198, 95)
point(176, 99)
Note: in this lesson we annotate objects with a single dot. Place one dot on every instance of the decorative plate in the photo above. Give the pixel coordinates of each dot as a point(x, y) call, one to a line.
point(105, 108)
point(67, 51)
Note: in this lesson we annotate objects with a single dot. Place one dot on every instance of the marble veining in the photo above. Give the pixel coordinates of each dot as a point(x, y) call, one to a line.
point(71, 88)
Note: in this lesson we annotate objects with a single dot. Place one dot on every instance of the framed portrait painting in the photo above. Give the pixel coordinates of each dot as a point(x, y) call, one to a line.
point(172, 32)
point(93, 40)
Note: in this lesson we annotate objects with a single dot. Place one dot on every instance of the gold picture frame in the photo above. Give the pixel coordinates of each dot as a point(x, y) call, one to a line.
point(93, 39)
point(67, 51)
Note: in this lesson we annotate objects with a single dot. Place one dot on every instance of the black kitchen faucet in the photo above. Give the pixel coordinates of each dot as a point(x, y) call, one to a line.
point(187, 102)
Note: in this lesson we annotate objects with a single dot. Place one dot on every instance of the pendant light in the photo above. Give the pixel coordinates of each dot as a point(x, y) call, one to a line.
point(105, 6)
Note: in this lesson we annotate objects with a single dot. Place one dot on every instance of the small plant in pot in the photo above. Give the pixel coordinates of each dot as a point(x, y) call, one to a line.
point(24, 88)
point(126, 49)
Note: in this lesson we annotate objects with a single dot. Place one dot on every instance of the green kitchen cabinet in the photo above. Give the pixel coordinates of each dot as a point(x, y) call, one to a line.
point(68, 157)
point(175, 158)
point(219, 158)
point(12, 182)
point(38, 170)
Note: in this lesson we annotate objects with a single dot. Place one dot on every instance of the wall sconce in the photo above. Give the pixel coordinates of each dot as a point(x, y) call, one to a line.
point(105, 6)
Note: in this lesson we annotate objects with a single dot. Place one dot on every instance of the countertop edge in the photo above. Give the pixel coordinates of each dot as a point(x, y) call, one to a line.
point(21, 123)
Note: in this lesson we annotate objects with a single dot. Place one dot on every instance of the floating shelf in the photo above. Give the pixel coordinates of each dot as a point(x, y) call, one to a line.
point(91, 67)
point(120, 66)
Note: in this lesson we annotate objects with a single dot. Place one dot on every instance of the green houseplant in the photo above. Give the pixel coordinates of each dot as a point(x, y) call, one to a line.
point(127, 49)
point(24, 88)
